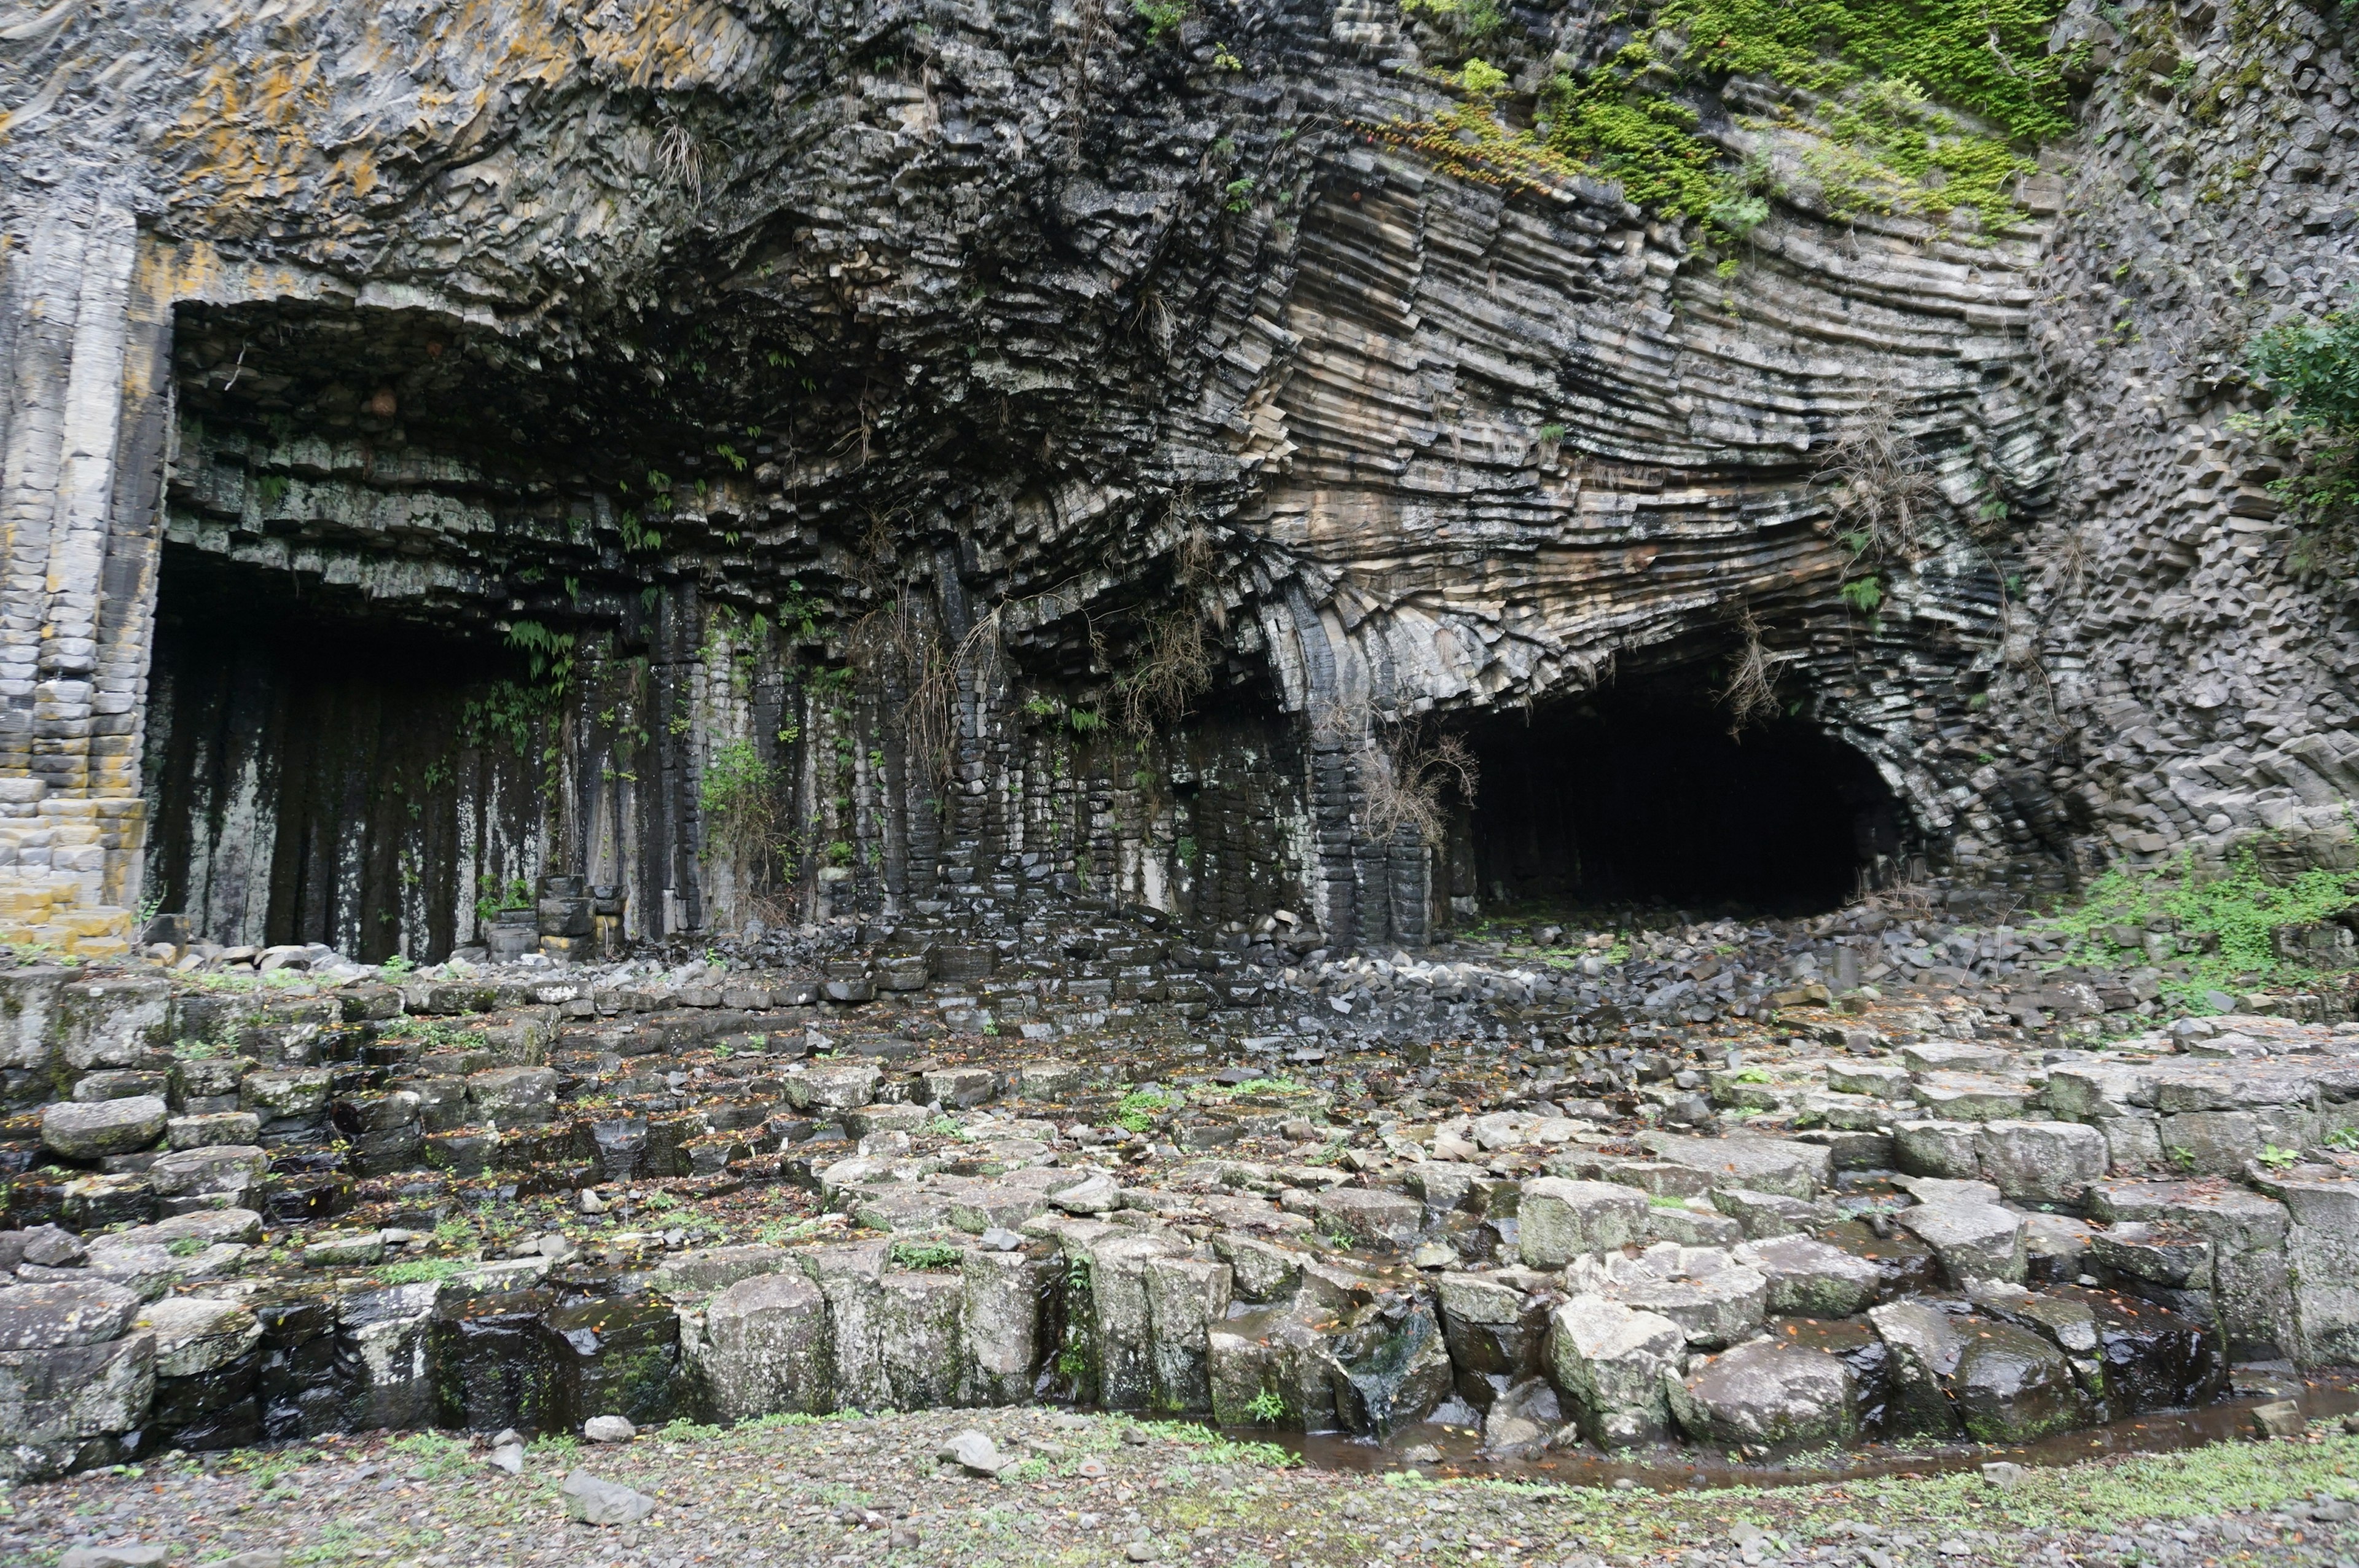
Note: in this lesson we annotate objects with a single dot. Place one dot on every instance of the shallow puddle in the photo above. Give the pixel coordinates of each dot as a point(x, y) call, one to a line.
point(2320, 1396)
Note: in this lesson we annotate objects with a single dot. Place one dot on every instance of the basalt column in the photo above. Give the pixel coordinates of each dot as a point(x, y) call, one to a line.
point(83, 435)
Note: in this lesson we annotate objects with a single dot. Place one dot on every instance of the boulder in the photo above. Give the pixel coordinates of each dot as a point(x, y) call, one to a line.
point(1610, 1361)
point(1715, 1301)
point(1758, 1164)
point(1558, 1220)
point(1370, 1216)
point(2041, 1162)
point(1974, 1241)
point(592, 1500)
point(765, 1349)
point(2013, 1386)
point(1811, 1279)
point(513, 1096)
point(1922, 1346)
point(1932, 1148)
point(844, 1085)
point(1765, 1392)
point(92, 1130)
point(194, 1337)
point(225, 1175)
point(54, 1314)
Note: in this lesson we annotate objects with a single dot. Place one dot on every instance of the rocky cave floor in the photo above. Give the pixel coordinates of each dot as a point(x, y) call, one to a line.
point(1510, 1212)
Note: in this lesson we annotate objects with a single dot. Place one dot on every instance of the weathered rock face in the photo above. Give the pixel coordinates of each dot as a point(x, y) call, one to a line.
point(1040, 452)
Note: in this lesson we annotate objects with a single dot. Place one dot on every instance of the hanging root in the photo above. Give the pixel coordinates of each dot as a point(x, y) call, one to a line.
point(1404, 783)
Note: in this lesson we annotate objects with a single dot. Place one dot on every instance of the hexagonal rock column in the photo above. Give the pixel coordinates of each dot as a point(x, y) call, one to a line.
point(85, 352)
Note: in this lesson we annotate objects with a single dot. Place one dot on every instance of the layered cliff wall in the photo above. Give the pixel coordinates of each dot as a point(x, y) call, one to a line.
point(770, 460)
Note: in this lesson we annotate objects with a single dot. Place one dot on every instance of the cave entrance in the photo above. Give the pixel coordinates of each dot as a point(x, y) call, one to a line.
point(320, 771)
point(1638, 796)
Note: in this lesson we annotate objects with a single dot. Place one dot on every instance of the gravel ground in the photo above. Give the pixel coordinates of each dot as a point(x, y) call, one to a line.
point(1093, 1489)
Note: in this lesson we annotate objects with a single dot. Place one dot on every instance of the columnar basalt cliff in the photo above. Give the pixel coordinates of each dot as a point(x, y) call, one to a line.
point(1042, 438)
point(741, 708)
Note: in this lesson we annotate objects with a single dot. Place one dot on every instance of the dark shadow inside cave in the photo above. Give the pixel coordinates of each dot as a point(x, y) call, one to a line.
point(1637, 794)
point(314, 772)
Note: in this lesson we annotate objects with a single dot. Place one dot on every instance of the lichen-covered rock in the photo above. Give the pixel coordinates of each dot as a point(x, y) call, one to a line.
point(1974, 1241)
point(2041, 1162)
point(1611, 1362)
point(513, 1096)
point(1811, 1279)
point(54, 1316)
point(765, 1349)
point(1558, 1220)
point(2012, 1386)
point(77, 1130)
point(1765, 1392)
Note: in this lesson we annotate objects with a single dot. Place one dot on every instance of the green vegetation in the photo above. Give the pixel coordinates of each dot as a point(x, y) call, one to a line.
point(746, 811)
point(909, 1254)
point(1162, 17)
point(422, 1271)
point(434, 1455)
point(2312, 366)
point(1918, 107)
point(1266, 1407)
point(1136, 1111)
point(2235, 916)
point(494, 896)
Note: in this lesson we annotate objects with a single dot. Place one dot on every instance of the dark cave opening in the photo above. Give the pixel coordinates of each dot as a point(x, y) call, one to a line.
point(1639, 795)
point(313, 770)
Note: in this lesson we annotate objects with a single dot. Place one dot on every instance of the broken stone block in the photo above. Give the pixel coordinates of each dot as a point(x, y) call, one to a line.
point(589, 1499)
point(2041, 1162)
point(839, 1086)
point(2013, 1386)
point(1769, 1393)
point(1760, 1164)
point(1974, 1241)
point(1370, 1216)
point(1558, 1220)
point(513, 1096)
point(764, 1349)
point(1811, 1279)
point(75, 1130)
point(1611, 1361)
point(1940, 1149)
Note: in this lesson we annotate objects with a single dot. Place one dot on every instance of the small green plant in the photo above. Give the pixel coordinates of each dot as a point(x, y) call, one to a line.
point(908, 1254)
point(2278, 1159)
point(186, 1247)
point(2344, 1140)
point(1266, 1407)
point(746, 805)
point(1223, 59)
point(1863, 594)
point(1238, 194)
point(1163, 17)
point(422, 1271)
point(1136, 1111)
point(943, 1127)
point(435, 1456)
point(2232, 918)
point(400, 964)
